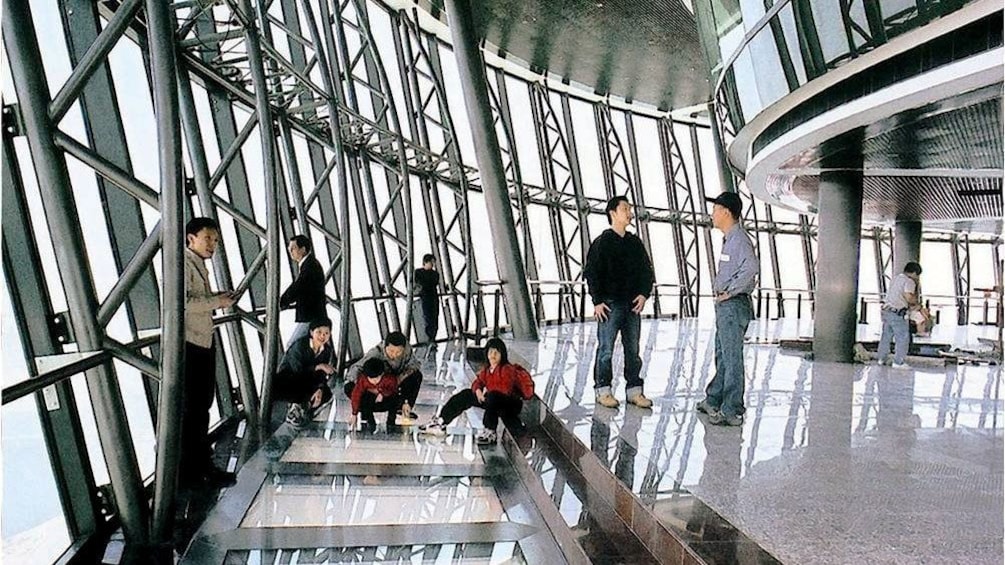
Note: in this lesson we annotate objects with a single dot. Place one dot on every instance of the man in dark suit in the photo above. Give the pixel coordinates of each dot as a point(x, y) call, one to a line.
point(307, 293)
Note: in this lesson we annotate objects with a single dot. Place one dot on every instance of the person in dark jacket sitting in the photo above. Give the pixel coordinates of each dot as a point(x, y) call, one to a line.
point(302, 378)
point(500, 388)
point(375, 391)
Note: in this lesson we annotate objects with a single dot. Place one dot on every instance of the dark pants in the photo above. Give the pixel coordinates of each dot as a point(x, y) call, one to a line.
point(622, 320)
point(497, 405)
point(368, 405)
point(200, 382)
point(725, 391)
point(431, 313)
point(300, 388)
point(408, 389)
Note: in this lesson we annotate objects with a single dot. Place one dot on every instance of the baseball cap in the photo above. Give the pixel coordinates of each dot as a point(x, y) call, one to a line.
point(730, 201)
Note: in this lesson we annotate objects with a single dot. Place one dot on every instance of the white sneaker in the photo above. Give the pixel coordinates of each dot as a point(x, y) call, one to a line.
point(295, 415)
point(434, 427)
point(900, 366)
point(486, 437)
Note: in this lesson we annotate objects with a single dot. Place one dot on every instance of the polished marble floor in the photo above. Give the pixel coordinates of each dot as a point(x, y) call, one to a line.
point(834, 464)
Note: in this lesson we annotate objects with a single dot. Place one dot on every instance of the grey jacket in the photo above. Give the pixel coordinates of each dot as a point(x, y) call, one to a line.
point(401, 366)
point(200, 301)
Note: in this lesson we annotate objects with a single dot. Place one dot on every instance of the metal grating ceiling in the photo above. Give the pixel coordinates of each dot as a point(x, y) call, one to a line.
point(929, 199)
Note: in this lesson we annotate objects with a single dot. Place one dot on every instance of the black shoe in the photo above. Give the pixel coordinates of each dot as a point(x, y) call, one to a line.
point(219, 478)
point(369, 426)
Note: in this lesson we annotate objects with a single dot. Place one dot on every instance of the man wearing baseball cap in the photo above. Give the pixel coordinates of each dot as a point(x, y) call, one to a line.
point(735, 279)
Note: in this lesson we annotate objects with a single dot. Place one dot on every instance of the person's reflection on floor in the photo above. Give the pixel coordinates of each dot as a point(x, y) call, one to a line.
point(628, 444)
point(720, 474)
point(896, 422)
point(600, 435)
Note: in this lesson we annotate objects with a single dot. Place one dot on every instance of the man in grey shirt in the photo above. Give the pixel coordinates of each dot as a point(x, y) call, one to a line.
point(900, 297)
point(735, 279)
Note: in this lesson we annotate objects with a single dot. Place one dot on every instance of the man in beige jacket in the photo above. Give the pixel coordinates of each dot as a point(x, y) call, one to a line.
point(201, 235)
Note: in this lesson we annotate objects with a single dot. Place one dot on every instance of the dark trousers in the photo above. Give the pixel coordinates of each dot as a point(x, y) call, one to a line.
point(408, 389)
point(299, 388)
point(200, 382)
point(497, 405)
point(431, 313)
point(368, 405)
point(621, 320)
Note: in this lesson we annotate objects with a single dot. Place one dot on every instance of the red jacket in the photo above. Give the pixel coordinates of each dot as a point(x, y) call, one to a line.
point(386, 386)
point(509, 379)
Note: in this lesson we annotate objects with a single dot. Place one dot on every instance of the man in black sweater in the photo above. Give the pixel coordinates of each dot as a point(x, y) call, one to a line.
point(619, 275)
point(307, 292)
point(427, 281)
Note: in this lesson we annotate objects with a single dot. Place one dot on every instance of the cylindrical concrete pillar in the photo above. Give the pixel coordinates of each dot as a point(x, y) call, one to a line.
point(839, 239)
point(471, 70)
point(906, 244)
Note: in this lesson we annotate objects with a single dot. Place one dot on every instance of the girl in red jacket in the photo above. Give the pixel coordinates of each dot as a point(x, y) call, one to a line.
point(500, 388)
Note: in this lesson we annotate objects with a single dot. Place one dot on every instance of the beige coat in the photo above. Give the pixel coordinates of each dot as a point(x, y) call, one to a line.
point(200, 301)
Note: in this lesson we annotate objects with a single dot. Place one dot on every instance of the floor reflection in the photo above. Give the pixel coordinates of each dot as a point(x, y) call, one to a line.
point(835, 463)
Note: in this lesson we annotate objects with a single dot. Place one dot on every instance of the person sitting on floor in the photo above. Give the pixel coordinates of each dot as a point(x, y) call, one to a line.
point(302, 377)
point(500, 388)
point(399, 362)
point(375, 391)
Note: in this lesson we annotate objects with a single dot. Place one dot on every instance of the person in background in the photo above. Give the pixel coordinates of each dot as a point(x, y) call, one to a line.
point(427, 280)
point(500, 388)
point(619, 275)
point(735, 279)
point(196, 463)
point(302, 378)
point(901, 297)
point(374, 391)
point(307, 292)
point(399, 362)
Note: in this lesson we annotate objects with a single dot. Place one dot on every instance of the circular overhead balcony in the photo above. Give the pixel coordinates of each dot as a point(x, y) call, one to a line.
point(913, 99)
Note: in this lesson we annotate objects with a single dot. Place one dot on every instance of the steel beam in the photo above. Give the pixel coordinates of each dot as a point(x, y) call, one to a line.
point(172, 388)
point(960, 255)
point(57, 199)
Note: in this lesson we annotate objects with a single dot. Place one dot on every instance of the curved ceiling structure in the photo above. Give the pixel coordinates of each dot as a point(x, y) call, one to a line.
point(642, 51)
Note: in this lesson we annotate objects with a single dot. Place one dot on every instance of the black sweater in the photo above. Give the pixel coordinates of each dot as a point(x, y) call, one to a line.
point(618, 268)
point(427, 281)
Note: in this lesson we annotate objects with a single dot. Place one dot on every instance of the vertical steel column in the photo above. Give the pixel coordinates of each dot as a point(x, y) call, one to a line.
point(325, 52)
point(806, 236)
point(960, 255)
point(882, 244)
point(834, 321)
point(726, 180)
point(265, 134)
point(519, 196)
point(471, 69)
point(638, 194)
point(221, 270)
point(160, 41)
point(776, 272)
point(71, 258)
point(906, 243)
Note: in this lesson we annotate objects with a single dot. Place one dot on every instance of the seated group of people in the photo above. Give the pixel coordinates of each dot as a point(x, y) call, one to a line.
point(387, 380)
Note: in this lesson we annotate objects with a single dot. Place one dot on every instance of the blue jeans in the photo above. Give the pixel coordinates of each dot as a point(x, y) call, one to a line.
point(895, 327)
point(725, 392)
point(619, 319)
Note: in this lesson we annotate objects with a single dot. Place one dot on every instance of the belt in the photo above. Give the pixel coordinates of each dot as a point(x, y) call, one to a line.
point(899, 312)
